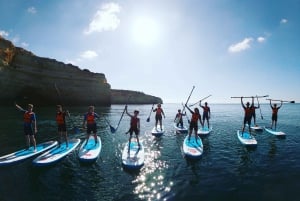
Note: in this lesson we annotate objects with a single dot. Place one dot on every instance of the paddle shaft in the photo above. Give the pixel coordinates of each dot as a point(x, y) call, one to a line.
point(281, 101)
point(200, 100)
point(148, 119)
point(250, 96)
point(188, 99)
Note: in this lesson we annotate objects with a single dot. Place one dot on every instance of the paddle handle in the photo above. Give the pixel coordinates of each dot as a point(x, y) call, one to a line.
point(250, 96)
point(281, 100)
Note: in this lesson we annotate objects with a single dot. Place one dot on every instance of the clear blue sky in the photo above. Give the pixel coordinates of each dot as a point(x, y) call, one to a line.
point(163, 47)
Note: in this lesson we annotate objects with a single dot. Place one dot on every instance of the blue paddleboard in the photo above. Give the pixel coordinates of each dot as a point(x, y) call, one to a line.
point(55, 154)
point(180, 129)
point(204, 130)
point(274, 132)
point(246, 138)
point(89, 152)
point(26, 153)
point(134, 159)
point(192, 148)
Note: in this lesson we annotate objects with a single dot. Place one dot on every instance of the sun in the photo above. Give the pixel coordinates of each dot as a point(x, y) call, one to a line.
point(145, 31)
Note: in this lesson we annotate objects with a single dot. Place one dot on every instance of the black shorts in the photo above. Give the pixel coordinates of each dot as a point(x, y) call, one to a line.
point(247, 120)
point(135, 130)
point(193, 125)
point(158, 117)
point(274, 117)
point(91, 128)
point(62, 128)
point(28, 130)
point(205, 116)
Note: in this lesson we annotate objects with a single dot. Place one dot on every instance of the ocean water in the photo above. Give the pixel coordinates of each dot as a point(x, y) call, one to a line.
point(227, 170)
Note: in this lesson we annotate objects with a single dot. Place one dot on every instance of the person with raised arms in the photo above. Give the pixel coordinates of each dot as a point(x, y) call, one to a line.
point(30, 128)
point(274, 113)
point(178, 118)
point(134, 126)
point(253, 108)
point(89, 122)
point(194, 121)
point(158, 115)
point(248, 114)
point(206, 113)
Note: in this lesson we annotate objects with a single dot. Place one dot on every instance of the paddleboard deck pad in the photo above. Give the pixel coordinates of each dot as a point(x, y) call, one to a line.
point(134, 159)
point(55, 154)
point(26, 153)
point(89, 151)
point(193, 147)
point(246, 138)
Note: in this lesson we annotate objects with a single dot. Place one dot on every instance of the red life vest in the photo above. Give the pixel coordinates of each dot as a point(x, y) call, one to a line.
point(248, 111)
point(90, 118)
point(195, 117)
point(27, 117)
point(158, 111)
point(134, 122)
point(60, 118)
point(274, 111)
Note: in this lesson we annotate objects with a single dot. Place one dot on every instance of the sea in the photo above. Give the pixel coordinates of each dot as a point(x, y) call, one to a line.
point(227, 169)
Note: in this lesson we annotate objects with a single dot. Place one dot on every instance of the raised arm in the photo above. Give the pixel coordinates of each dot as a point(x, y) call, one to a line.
point(189, 109)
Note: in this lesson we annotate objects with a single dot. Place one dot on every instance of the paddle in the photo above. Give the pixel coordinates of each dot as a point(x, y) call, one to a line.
point(188, 99)
point(112, 129)
point(285, 101)
point(200, 100)
point(186, 115)
point(250, 96)
point(259, 109)
point(76, 130)
point(148, 119)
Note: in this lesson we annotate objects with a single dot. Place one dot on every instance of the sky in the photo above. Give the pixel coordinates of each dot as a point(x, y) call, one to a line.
point(163, 48)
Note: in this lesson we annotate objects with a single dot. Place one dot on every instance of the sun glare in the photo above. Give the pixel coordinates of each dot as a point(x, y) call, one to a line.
point(145, 31)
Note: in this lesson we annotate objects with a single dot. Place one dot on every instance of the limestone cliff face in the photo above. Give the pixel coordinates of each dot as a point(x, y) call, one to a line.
point(132, 97)
point(25, 77)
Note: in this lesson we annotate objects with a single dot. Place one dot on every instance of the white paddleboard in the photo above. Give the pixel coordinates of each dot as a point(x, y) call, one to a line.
point(204, 130)
point(274, 132)
point(26, 153)
point(246, 138)
point(157, 132)
point(89, 152)
point(180, 129)
point(55, 154)
point(192, 148)
point(134, 159)
point(257, 128)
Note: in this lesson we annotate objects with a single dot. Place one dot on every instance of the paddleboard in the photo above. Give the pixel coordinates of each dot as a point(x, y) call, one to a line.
point(180, 129)
point(274, 132)
point(192, 148)
point(134, 159)
point(89, 152)
point(157, 132)
point(257, 128)
point(26, 153)
point(55, 154)
point(246, 138)
point(204, 130)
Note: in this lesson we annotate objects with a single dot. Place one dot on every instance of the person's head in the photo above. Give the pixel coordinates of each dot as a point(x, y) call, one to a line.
point(247, 104)
point(275, 105)
point(91, 108)
point(136, 112)
point(179, 111)
point(30, 107)
point(205, 103)
point(59, 108)
point(158, 105)
point(196, 110)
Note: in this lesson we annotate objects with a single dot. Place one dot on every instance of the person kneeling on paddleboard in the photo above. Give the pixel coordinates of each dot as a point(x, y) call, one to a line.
point(194, 121)
point(134, 126)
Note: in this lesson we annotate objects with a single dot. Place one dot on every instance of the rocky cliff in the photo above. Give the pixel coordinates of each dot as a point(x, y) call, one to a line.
point(132, 97)
point(25, 77)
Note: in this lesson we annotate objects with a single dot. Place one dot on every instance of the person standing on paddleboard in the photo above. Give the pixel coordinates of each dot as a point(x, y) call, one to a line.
point(194, 121)
point(61, 124)
point(89, 120)
point(248, 114)
point(253, 108)
point(206, 113)
point(158, 115)
point(275, 113)
point(134, 126)
point(29, 123)
point(178, 118)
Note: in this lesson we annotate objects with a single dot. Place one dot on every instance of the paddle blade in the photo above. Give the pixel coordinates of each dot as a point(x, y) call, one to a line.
point(148, 119)
point(112, 129)
point(76, 130)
